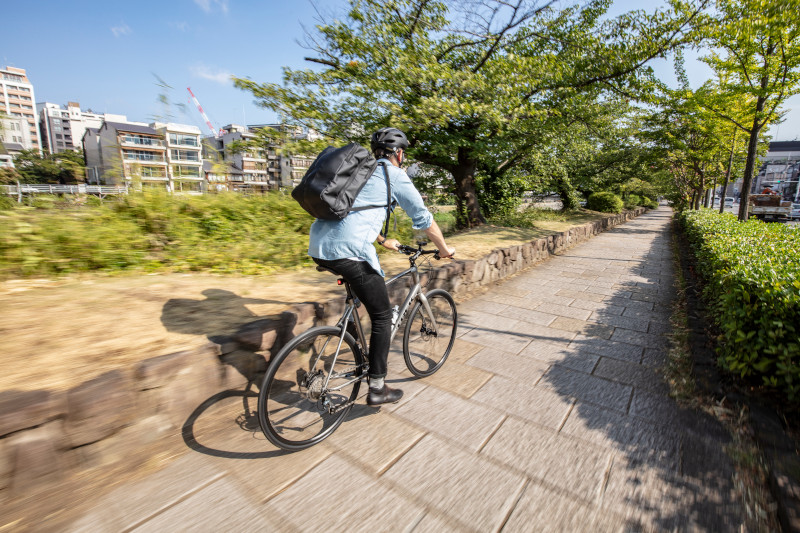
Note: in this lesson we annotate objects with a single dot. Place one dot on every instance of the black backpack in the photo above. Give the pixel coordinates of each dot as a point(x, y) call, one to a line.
point(332, 182)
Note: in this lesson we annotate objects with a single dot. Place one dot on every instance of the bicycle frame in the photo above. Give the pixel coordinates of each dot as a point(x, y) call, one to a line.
point(351, 310)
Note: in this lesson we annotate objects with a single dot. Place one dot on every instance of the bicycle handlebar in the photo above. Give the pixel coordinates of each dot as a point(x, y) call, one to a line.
point(416, 252)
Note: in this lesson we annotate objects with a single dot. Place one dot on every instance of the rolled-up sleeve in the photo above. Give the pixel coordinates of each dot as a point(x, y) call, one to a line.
point(409, 199)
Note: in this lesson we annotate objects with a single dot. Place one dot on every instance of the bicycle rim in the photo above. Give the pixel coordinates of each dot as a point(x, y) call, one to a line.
point(296, 408)
point(427, 342)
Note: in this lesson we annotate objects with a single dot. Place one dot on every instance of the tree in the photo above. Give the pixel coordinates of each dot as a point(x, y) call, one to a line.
point(470, 83)
point(63, 167)
point(756, 53)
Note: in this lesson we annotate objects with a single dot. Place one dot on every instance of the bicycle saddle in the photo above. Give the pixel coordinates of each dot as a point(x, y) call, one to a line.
point(326, 269)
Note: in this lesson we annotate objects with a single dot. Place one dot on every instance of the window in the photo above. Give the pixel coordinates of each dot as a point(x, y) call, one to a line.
point(141, 140)
point(154, 172)
point(57, 128)
point(185, 155)
point(179, 171)
point(57, 121)
point(183, 140)
point(188, 186)
point(58, 135)
point(141, 155)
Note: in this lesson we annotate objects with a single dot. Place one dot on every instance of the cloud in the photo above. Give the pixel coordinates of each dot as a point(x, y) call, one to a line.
point(208, 5)
point(208, 73)
point(123, 29)
point(181, 26)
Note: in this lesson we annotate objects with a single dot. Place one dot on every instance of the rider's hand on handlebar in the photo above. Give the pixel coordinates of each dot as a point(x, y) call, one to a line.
point(391, 244)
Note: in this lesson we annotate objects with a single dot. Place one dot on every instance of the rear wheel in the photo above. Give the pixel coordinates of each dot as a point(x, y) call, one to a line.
point(305, 396)
point(429, 338)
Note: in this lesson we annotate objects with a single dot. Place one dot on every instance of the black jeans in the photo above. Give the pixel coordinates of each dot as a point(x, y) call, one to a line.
point(370, 288)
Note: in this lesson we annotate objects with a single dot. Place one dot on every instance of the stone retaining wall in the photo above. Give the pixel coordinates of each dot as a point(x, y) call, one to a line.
point(46, 435)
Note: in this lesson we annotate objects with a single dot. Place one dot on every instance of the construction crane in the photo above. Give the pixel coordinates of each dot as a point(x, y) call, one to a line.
point(214, 132)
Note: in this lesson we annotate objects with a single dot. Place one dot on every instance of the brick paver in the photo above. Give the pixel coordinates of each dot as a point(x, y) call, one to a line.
point(550, 416)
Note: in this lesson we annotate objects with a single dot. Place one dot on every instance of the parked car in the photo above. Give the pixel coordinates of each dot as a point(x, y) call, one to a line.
point(795, 213)
point(729, 201)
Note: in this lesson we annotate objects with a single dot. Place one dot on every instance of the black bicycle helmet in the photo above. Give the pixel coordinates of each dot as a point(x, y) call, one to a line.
point(391, 138)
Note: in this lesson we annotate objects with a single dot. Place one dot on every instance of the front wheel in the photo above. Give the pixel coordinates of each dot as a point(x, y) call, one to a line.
point(305, 394)
point(429, 338)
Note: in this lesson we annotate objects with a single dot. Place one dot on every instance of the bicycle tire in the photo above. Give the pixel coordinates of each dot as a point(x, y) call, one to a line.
point(293, 410)
point(425, 350)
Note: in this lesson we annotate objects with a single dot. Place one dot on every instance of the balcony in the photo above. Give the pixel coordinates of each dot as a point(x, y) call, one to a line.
point(148, 157)
point(141, 142)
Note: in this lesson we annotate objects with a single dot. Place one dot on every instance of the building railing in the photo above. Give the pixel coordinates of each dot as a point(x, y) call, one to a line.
point(141, 141)
point(81, 188)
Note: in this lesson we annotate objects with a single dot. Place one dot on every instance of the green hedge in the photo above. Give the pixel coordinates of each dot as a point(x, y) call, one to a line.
point(605, 202)
point(632, 201)
point(751, 272)
point(649, 203)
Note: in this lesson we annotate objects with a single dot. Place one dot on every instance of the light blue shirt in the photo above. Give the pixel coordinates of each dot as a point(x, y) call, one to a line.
point(352, 237)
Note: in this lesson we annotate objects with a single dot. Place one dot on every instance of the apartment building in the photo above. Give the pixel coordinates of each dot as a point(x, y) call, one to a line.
point(247, 170)
point(184, 157)
point(159, 155)
point(17, 100)
point(62, 127)
point(126, 153)
point(15, 134)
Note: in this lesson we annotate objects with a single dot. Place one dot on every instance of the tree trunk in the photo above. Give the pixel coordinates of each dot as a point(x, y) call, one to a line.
point(750, 163)
point(727, 175)
point(566, 191)
point(714, 191)
point(469, 209)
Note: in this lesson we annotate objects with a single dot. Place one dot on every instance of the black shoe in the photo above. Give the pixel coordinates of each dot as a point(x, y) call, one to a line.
point(384, 395)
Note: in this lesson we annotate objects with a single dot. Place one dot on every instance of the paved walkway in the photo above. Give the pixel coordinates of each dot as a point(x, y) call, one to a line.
point(550, 415)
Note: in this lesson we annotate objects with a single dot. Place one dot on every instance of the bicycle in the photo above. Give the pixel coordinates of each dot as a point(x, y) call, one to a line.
point(313, 382)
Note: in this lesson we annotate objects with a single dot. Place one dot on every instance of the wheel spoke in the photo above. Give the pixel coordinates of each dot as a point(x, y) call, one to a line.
point(428, 340)
point(295, 409)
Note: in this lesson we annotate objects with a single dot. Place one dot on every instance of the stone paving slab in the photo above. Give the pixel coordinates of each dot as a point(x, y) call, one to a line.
point(200, 512)
point(537, 422)
point(536, 404)
point(573, 466)
point(545, 510)
point(452, 417)
point(592, 389)
point(469, 490)
point(338, 496)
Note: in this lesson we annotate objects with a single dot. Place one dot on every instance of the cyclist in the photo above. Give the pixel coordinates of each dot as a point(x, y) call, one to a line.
point(345, 246)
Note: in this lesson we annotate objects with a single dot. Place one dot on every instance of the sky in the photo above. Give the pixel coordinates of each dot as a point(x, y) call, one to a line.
point(109, 56)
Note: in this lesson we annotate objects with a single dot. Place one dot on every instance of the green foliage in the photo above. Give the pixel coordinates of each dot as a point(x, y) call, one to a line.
point(225, 233)
point(605, 202)
point(751, 272)
point(755, 53)
point(6, 202)
point(63, 167)
point(648, 203)
point(632, 201)
point(480, 88)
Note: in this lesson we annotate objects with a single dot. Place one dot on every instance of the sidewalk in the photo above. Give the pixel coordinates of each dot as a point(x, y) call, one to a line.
point(549, 415)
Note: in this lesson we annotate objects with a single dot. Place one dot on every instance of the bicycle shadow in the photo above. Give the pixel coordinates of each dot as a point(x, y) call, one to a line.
point(211, 429)
point(224, 317)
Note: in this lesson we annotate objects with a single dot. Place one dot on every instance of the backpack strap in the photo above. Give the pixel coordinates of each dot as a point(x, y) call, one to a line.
point(389, 205)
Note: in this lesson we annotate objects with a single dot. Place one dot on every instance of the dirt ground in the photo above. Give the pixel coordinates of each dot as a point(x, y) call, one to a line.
point(59, 333)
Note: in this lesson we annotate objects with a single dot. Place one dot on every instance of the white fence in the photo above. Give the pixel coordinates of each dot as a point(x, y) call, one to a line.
point(82, 188)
